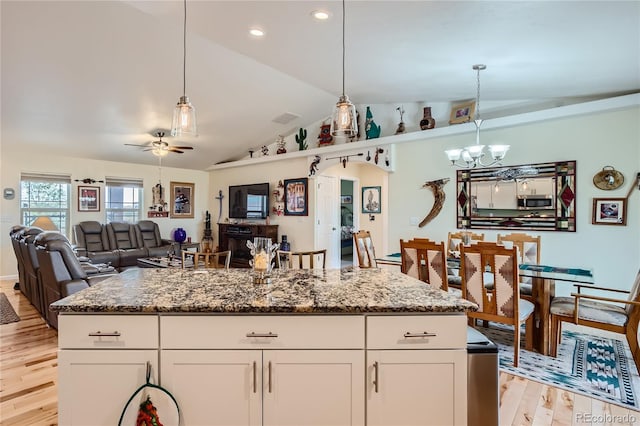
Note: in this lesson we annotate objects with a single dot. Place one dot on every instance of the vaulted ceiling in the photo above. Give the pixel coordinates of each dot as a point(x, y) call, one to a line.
point(84, 78)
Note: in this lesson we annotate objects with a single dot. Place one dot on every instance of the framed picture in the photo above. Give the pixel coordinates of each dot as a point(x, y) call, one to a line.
point(346, 199)
point(609, 211)
point(461, 113)
point(296, 197)
point(371, 199)
point(88, 198)
point(182, 198)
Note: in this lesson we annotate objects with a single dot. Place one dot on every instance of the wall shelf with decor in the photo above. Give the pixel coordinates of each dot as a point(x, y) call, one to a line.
point(599, 106)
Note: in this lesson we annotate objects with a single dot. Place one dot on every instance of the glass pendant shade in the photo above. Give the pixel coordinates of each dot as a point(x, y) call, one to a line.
point(184, 119)
point(498, 151)
point(344, 122)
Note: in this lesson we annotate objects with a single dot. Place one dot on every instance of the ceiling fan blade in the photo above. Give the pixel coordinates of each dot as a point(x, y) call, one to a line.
point(136, 144)
point(182, 147)
point(173, 149)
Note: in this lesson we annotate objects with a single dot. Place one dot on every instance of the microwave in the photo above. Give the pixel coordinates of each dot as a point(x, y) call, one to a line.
point(535, 202)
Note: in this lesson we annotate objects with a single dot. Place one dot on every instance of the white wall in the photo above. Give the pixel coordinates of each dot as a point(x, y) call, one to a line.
point(594, 141)
point(14, 162)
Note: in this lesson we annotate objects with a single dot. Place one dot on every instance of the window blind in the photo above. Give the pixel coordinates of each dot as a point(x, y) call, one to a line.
point(45, 177)
point(123, 182)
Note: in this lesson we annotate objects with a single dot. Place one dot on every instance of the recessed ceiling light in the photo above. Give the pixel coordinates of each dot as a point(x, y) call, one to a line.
point(320, 15)
point(256, 32)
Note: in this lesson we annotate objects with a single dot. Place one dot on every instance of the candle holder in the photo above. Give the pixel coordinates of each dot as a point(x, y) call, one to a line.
point(263, 253)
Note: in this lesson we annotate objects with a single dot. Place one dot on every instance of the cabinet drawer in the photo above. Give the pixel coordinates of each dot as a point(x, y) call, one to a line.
point(253, 332)
point(108, 331)
point(417, 332)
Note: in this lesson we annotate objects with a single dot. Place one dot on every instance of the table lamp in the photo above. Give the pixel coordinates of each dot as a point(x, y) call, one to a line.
point(45, 223)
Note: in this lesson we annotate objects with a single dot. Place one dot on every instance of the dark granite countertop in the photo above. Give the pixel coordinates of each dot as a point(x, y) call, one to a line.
point(233, 291)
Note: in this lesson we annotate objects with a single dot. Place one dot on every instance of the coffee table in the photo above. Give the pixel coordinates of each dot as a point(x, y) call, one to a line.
point(160, 262)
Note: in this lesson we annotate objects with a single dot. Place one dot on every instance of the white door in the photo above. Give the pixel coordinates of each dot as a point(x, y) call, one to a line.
point(95, 384)
point(327, 225)
point(416, 387)
point(314, 388)
point(215, 387)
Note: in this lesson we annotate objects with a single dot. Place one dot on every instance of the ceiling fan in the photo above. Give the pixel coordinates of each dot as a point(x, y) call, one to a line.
point(160, 147)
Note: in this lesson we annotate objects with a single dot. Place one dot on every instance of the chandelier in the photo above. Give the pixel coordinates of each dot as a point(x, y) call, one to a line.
point(471, 156)
point(184, 114)
point(343, 120)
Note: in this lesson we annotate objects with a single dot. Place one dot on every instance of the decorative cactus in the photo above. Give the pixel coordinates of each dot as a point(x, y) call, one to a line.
point(300, 137)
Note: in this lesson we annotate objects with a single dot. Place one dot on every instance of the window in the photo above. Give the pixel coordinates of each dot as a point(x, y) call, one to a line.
point(45, 195)
point(123, 199)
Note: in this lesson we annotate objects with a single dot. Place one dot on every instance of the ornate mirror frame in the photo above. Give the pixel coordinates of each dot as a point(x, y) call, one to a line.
point(558, 215)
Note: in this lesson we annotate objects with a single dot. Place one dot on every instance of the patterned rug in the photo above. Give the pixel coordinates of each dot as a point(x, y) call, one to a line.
point(595, 366)
point(7, 314)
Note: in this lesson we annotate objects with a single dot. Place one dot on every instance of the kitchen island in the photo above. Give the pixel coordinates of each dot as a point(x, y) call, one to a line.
point(320, 347)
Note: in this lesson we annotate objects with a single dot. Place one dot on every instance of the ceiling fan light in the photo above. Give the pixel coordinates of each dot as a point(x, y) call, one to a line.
point(184, 119)
point(344, 122)
point(160, 152)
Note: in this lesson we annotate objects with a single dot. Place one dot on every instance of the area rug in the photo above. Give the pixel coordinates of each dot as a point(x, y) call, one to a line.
point(7, 314)
point(591, 365)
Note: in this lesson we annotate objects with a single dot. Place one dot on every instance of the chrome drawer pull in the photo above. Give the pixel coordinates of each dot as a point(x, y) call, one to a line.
point(408, 335)
point(101, 334)
point(269, 334)
point(375, 376)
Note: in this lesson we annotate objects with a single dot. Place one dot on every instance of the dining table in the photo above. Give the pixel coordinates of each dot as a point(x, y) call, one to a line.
point(544, 279)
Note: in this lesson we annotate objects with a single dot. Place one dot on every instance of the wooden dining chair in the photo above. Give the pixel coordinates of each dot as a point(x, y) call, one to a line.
point(528, 252)
point(500, 302)
point(599, 312)
point(302, 259)
point(454, 241)
point(425, 260)
point(217, 260)
point(364, 249)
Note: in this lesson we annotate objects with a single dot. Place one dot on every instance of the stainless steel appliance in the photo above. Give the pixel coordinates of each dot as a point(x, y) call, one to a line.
point(535, 202)
point(483, 403)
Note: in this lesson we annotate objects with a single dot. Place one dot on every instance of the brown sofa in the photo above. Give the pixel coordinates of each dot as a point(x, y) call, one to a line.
point(120, 244)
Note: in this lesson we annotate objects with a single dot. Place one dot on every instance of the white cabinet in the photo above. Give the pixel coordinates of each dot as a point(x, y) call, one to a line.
point(286, 385)
point(416, 371)
point(101, 362)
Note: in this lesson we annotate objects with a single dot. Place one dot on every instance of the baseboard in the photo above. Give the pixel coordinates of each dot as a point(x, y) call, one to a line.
point(9, 277)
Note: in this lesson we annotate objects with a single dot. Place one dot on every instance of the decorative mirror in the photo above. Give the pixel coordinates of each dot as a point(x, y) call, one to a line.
point(539, 197)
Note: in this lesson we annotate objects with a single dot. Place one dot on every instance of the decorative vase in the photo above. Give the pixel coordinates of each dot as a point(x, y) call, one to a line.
point(179, 235)
point(427, 122)
point(262, 255)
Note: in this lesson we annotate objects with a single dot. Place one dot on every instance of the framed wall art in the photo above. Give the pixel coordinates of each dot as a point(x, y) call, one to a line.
point(182, 200)
point(371, 199)
point(296, 197)
point(88, 198)
point(462, 113)
point(609, 211)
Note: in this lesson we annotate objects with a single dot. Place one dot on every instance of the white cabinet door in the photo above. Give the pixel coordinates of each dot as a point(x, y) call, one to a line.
point(416, 387)
point(215, 387)
point(95, 385)
point(314, 387)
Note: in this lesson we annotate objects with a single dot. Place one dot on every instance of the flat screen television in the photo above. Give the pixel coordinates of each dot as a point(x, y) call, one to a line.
point(249, 201)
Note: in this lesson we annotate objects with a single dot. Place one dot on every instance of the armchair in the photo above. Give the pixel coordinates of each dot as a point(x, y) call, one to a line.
point(148, 236)
point(92, 241)
point(122, 238)
point(599, 312)
point(14, 234)
point(31, 266)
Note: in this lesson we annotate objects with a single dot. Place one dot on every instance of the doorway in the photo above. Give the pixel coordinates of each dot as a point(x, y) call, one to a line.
point(347, 225)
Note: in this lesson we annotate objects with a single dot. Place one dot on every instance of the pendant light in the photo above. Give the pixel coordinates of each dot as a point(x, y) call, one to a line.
point(184, 114)
point(472, 155)
point(343, 120)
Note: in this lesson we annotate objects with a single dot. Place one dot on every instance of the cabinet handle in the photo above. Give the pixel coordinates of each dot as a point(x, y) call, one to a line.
point(269, 334)
point(255, 386)
point(375, 376)
point(269, 371)
point(101, 334)
point(408, 335)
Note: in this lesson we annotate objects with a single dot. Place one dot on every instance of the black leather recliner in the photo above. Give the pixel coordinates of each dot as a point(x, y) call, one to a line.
point(61, 273)
point(31, 266)
point(122, 237)
point(15, 233)
point(92, 241)
point(148, 236)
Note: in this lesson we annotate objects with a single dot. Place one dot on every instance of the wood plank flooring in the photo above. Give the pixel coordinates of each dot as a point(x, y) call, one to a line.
point(28, 383)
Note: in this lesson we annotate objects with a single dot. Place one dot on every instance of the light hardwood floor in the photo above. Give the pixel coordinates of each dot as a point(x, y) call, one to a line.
point(28, 380)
